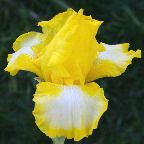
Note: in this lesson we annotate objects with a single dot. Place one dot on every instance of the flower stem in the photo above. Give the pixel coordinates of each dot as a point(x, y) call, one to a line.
point(58, 140)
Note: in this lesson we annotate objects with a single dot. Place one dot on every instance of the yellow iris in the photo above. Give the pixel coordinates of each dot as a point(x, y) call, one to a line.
point(66, 57)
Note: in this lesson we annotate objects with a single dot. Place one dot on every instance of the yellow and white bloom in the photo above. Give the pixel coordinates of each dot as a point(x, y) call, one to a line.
point(66, 57)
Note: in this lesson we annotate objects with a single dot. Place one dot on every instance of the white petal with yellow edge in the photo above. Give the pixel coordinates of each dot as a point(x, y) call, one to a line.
point(72, 111)
point(112, 62)
point(24, 56)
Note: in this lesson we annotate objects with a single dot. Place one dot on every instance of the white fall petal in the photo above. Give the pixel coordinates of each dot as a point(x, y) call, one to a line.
point(68, 110)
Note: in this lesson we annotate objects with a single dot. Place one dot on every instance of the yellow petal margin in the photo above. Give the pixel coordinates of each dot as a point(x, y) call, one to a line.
point(72, 111)
point(112, 62)
point(24, 57)
point(70, 54)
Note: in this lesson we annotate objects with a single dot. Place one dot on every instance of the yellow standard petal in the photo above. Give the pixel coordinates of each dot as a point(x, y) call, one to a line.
point(112, 62)
point(70, 54)
point(72, 111)
point(56, 23)
point(52, 27)
point(24, 57)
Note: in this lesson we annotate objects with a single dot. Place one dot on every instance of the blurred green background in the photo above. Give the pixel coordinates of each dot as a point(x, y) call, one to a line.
point(123, 123)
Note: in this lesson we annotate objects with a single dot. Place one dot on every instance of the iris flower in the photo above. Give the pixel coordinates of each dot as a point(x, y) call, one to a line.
point(66, 57)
